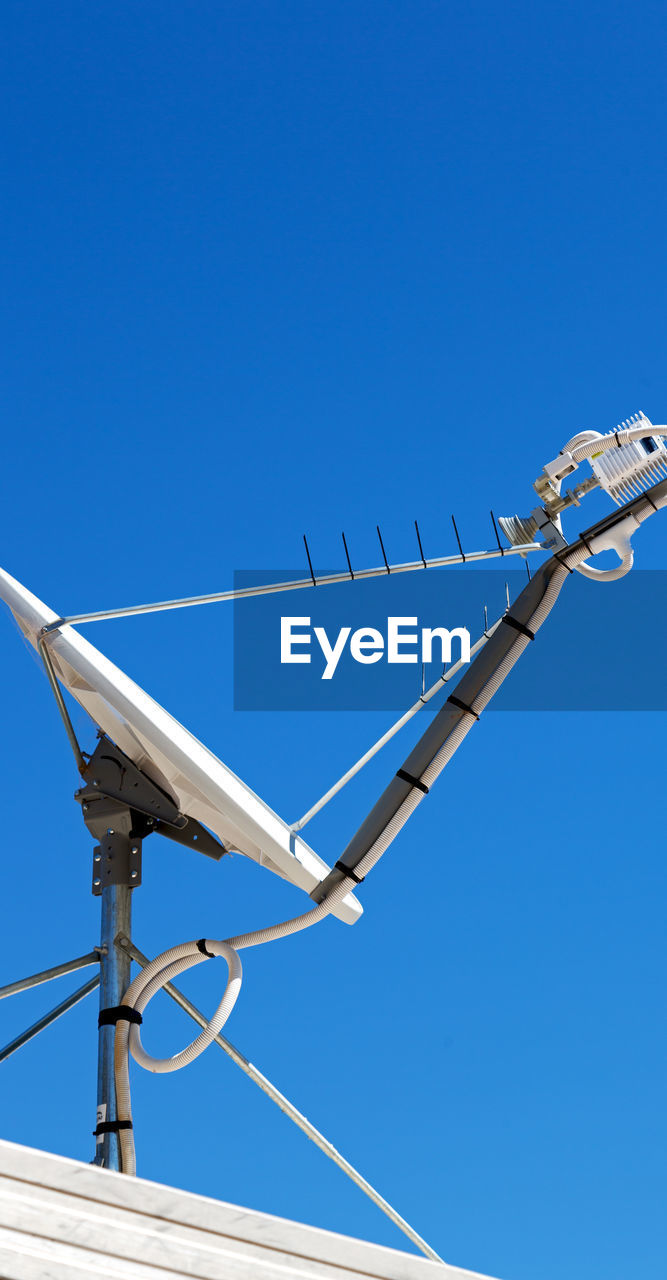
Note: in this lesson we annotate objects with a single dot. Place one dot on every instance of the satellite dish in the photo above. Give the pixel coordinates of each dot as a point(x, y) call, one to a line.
point(202, 787)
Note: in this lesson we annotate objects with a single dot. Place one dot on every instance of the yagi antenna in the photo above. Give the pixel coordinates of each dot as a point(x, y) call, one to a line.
point(295, 584)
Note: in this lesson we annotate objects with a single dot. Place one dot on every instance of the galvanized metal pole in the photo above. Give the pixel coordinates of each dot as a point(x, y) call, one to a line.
point(115, 979)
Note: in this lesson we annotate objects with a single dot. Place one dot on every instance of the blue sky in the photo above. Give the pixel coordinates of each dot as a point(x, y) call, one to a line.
point(270, 269)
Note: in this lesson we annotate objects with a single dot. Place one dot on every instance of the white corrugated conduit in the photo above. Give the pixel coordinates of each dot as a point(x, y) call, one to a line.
point(588, 443)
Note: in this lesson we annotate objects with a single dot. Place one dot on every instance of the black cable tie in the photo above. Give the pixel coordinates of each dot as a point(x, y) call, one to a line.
point(414, 782)
point(463, 706)
point(518, 626)
point(118, 1013)
point(618, 442)
point(349, 872)
point(111, 1126)
point(586, 543)
point(560, 560)
point(201, 946)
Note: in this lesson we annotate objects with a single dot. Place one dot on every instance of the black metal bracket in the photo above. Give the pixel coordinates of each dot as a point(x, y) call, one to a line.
point(111, 773)
point(194, 836)
point(121, 805)
point(117, 857)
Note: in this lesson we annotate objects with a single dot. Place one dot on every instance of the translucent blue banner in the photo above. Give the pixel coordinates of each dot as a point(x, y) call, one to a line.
point(373, 645)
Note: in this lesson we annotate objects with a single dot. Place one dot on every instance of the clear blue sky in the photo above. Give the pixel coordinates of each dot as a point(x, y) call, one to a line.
point(270, 268)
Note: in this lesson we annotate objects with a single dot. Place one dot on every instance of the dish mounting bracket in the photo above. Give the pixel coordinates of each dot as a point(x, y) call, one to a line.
point(121, 805)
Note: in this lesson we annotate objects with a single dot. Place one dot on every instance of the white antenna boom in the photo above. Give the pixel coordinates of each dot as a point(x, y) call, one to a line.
point(298, 584)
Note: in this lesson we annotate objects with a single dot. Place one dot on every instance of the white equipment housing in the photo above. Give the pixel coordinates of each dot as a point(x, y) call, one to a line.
point(201, 785)
point(625, 472)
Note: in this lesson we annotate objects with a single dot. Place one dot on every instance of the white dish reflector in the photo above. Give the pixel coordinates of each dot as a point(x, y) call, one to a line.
point(202, 786)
